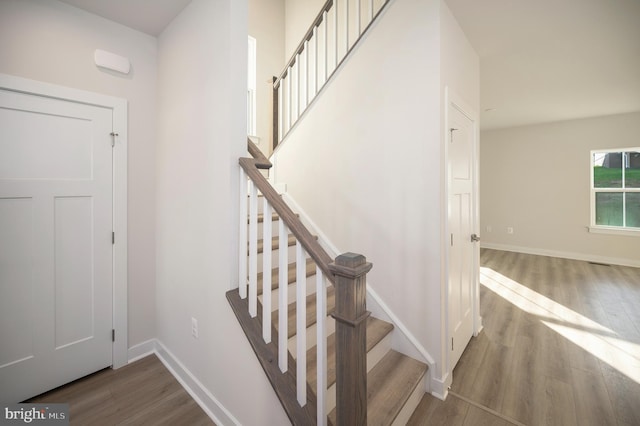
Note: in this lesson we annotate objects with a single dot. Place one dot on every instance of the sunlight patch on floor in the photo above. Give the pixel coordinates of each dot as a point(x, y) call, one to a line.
point(591, 336)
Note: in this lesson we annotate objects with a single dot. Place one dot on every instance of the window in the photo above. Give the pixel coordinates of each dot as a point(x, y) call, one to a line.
point(615, 190)
point(251, 88)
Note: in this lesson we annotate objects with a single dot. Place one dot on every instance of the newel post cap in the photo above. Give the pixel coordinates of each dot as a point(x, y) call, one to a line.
point(350, 265)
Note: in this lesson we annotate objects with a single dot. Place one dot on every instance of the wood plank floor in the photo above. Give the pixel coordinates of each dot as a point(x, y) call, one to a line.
point(141, 393)
point(560, 346)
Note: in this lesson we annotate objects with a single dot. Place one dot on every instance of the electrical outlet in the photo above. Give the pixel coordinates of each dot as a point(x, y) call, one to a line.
point(488, 228)
point(509, 230)
point(194, 327)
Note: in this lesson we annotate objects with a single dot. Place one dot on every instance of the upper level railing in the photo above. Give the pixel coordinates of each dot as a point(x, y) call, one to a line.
point(347, 274)
point(335, 31)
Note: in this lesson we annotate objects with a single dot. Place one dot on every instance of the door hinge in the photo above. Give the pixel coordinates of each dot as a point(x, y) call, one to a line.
point(113, 334)
point(451, 240)
point(113, 139)
point(113, 237)
point(452, 130)
point(452, 343)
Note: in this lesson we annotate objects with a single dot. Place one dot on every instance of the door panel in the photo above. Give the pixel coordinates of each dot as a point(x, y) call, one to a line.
point(55, 243)
point(16, 304)
point(461, 223)
point(74, 285)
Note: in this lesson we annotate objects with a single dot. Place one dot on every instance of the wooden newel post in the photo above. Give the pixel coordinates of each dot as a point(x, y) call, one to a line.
point(351, 315)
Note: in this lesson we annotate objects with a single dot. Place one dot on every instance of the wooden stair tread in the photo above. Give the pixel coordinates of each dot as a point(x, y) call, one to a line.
point(275, 242)
point(389, 384)
point(311, 311)
point(376, 331)
point(274, 217)
point(291, 275)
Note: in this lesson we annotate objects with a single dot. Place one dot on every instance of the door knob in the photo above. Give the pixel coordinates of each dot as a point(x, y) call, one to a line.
point(474, 238)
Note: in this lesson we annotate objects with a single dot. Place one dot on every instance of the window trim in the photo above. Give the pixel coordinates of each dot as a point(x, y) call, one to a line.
point(603, 229)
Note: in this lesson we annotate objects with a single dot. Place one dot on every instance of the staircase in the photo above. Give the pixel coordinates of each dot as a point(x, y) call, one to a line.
point(394, 383)
point(302, 310)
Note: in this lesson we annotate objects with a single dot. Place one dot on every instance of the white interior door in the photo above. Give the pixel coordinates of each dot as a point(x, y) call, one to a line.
point(462, 276)
point(55, 243)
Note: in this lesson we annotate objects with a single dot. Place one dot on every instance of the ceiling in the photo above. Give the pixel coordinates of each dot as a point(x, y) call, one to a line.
point(540, 61)
point(148, 16)
point(549, 60)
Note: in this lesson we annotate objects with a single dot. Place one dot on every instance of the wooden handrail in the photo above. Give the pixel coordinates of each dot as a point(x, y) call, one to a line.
point(302, 234)
point(307, 37)
point(348, 275)
point(261, 161)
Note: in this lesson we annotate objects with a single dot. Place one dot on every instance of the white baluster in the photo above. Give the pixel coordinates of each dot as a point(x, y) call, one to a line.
point(315, 63)
point(325, 38)
point(289, 109)
point(266, 273)
point(298, 91)
point(358, 11)
point(306, 74)
point(335, 31)
point(321, 319)
point(346, 27)
point(370, 10)
point(283, 283)
point(253, 250)
point(243, 250)
point(301, 325)
point(280, 123)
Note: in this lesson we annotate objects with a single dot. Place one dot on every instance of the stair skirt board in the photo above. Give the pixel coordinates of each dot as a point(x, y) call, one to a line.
point(406, 341)
point(396, 382)
point(284, 384)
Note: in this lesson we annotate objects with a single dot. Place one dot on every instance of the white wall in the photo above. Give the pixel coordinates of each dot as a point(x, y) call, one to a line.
point(53, 42)
point(460, 75)
point(364, 162)
point(536, 180)
point(460, 64)
point(202, 133)
point(299, 15)
point(267, 26)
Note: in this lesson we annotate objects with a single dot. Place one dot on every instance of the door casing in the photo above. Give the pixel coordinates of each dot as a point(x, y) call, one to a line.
point(119, 113)
point(453, 100)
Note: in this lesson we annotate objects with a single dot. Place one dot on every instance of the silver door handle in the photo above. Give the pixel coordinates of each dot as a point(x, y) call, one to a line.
point(474, 238)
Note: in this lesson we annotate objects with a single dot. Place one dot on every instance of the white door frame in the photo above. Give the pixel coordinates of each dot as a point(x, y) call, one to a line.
point(119, 108)
point(453, 100)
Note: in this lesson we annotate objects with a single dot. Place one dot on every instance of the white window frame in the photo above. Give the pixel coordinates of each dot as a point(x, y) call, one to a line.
point(251, 87)
point(602, 229)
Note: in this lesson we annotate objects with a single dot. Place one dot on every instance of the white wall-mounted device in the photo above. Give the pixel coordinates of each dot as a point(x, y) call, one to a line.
point(111, 61)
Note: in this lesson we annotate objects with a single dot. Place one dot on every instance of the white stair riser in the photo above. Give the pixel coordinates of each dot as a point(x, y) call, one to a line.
point(275, 257)
point(373, 357)
point(260, 204)
point(410, 405)
point(274, 228)
point(311, 335)
point(291, 292)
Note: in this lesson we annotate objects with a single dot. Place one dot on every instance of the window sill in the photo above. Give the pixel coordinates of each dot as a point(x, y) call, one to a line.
point(614, 230)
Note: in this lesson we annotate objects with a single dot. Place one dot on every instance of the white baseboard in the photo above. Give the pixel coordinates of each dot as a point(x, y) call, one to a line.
point(209, 404)
point(440, 388)
point(141, 350)
point(407, 338)
point(563, 254)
